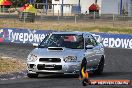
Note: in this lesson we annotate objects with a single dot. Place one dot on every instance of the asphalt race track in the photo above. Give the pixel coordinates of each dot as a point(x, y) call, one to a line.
point(118, 65)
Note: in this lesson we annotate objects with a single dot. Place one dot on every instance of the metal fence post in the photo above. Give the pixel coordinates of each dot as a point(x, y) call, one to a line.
point(53, 10)
point(3, 9)
point(75, 19)
point(58, 16)
point(94, 17)
point(25, 15)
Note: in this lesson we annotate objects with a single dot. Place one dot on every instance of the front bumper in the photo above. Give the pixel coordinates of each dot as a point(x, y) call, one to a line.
point(61, 68)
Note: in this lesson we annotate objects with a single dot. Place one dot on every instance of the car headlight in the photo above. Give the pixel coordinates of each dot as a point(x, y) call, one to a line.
point(32, 57)
point(70, 59)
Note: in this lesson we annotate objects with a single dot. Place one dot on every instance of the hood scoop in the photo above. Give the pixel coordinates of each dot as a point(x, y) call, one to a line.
point(55, 48)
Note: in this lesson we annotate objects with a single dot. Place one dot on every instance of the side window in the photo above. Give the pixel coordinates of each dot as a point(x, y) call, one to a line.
point(94, 41)
point(90, 41)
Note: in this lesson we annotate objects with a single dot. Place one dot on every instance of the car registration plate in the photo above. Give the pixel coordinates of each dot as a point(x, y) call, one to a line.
point(49, 66)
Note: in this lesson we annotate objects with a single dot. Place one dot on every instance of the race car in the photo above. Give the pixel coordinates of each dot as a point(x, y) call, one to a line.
point(63, 53)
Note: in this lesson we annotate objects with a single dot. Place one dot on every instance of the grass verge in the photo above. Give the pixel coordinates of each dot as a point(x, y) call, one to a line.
point(8, 65)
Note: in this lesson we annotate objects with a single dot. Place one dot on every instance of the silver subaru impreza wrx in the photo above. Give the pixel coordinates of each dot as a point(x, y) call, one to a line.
point(63, 53)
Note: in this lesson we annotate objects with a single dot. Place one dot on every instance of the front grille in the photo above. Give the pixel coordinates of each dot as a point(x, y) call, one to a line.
point(49, 67)
point(50, 60)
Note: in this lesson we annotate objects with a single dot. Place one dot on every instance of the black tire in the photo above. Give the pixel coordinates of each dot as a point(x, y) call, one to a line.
point(32, 75)
point(100, 67)
point(84, 63)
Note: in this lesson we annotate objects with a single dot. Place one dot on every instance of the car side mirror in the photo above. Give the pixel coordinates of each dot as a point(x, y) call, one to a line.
point(35, 45)
point(89, 47)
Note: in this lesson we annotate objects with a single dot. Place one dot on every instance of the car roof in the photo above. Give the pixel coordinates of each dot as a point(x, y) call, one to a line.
point(74, 32)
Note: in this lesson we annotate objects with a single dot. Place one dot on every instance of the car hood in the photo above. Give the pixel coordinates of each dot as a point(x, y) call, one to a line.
point(57, 52)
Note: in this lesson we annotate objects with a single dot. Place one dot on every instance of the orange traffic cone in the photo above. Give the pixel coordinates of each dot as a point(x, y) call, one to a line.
point(84, 77)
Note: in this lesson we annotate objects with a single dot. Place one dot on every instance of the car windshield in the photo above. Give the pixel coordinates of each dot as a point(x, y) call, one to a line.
point(72, 41)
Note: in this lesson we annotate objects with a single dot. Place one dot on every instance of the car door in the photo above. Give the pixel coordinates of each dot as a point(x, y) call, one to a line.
point(90, 53)
point(97, 48)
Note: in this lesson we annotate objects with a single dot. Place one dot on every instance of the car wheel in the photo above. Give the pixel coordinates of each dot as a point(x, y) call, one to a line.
point(32, 75)
point(84, 64)
point(100, 67)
